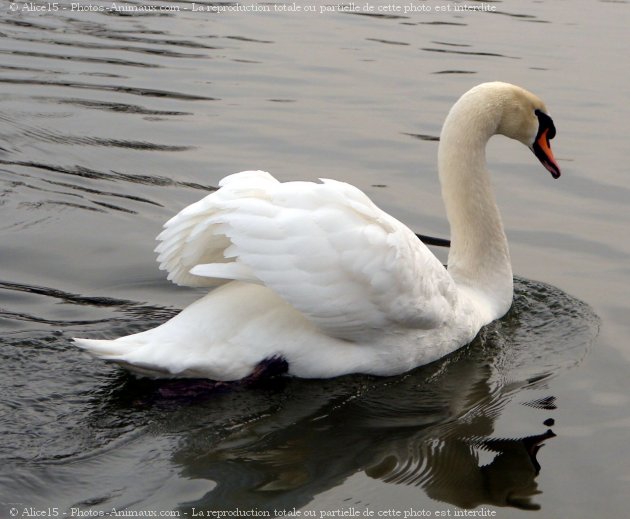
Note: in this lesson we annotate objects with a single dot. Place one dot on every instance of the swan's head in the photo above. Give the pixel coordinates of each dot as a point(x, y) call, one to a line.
point(525, 118)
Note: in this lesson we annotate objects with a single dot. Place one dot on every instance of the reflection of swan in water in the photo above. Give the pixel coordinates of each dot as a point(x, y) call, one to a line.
point(403, 433)
point(429, 428)
point(507, 481)
point(447, 465)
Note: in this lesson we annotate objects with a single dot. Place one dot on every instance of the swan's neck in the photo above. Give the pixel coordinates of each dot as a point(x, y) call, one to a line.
point(479, 259)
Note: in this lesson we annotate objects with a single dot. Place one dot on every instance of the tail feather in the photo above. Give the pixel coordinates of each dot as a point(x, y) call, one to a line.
point(118, 351)
point(106, 349)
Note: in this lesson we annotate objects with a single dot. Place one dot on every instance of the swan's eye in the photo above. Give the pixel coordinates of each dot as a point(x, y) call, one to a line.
point(545, 123)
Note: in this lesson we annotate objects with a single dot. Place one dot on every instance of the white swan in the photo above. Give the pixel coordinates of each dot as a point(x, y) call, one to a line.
point(318, 276)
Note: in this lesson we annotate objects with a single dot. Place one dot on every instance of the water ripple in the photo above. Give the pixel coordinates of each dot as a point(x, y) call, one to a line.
point(387, 42)
point(149, 92)
point(468, 53)
point(81, 171)
point(110, 48)
point(455, 72)
point(80, 59)
point(54, 136)
point(423, 137)
point(109, 106)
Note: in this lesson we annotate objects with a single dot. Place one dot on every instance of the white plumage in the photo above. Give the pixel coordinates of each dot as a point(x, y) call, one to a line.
point(316, 274)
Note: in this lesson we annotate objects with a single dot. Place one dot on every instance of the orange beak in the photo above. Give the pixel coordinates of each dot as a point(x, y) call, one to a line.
point(546, 155)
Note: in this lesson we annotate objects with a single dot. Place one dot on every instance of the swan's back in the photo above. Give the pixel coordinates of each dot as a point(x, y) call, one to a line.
point(324, 248)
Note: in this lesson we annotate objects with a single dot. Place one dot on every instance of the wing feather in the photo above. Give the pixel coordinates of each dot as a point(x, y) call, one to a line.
point(323, 247)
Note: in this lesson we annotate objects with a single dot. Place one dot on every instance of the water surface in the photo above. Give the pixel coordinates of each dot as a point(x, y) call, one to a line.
point(111, 121)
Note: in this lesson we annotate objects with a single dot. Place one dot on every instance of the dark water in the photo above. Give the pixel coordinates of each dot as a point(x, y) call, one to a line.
point(112, 121)
point(111, 441)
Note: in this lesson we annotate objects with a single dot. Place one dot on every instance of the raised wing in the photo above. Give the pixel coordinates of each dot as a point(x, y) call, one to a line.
point(325, 248)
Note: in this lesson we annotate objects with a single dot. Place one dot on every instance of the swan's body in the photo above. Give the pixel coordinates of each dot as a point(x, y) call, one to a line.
point(317, 275)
